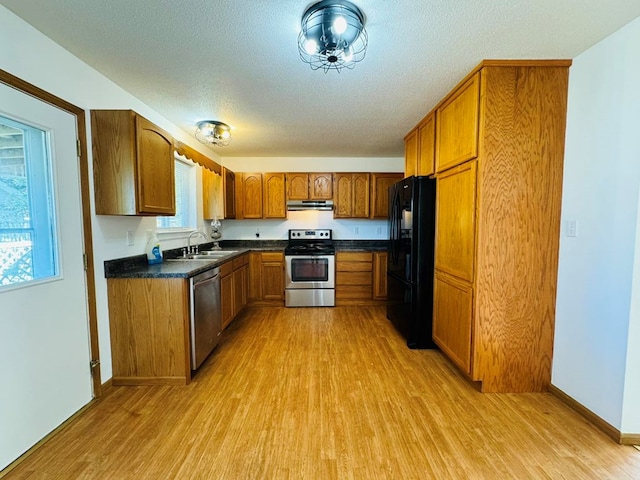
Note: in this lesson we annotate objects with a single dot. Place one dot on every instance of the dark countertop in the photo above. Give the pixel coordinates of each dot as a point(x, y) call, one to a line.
point(361, 245)
point(171, 267)
point(137, 266)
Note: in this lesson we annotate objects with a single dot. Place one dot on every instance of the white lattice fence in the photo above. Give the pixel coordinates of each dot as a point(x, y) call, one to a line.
point(15, 262)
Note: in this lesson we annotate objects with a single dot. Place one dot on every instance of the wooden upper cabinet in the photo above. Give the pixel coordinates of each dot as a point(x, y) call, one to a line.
point(456, 214)
point(133, 165)
point(457, 126)
point(380, 183)
point(427, 145)
point(229, 190)
point(411, 153)
point(274, 203)
point(351, 195)
point(208, 193)
point(361, 195)
point(320, 186)
point(343, 197)
point(249, 195)
point(309, 186)
point(297, 186)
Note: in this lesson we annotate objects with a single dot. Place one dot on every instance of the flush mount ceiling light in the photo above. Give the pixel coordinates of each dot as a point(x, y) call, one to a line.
point(332, 36)
point(213, 132)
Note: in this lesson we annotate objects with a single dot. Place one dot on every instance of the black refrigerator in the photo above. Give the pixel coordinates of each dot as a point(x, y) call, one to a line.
point(410, 266)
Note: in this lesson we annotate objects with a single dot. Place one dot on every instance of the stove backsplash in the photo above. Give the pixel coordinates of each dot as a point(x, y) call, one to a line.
point(343, 229)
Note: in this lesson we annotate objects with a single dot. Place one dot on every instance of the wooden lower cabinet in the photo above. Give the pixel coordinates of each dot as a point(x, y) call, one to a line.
point(266, 278)
point(234, 287)
point(452, 308)
point(380, 275)
point(361, 277)
point(227, 298)
point(149, 323)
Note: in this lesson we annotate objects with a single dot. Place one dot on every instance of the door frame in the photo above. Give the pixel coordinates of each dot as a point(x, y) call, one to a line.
point(79, 113)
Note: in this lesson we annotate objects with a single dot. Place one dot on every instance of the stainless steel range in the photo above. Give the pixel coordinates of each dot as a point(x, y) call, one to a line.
point(310, 269)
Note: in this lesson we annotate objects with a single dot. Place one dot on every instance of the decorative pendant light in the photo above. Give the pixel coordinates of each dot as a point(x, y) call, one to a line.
point(332, 35)
point(213, 132)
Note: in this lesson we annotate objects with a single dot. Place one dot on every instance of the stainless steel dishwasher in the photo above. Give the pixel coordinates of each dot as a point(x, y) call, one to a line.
point(206, 315)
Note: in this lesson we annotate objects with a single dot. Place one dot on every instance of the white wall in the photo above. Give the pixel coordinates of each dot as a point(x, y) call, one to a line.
point(597, 339)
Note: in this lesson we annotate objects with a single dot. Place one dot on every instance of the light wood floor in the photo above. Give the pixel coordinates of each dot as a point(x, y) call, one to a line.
point(322, 394)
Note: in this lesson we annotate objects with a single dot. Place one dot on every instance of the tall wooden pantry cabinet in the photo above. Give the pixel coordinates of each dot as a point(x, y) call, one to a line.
point(499, 155)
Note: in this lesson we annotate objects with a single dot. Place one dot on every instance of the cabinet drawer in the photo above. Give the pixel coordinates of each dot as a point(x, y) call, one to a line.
point(354, 278)
point(272, 256)
point(226, 269)
point(354, 292)
point(240, 261)
point(354, 256)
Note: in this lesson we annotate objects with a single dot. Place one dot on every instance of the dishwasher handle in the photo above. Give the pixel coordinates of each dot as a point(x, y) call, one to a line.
point(205, 277)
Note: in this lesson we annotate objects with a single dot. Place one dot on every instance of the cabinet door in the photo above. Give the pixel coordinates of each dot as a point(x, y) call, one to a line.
point(244, 298)
point(297, 186)
point(457, 126)
point(272, 276)
point(255, 277)
point(208, 196)
point(411, 153)
point(452, 319)
point(251, 196)
point(229, 189)
point(380, 183)
point(343, 197)
point(379, 275)
point(239, 294)
point(227, 299)
point(155, 169)
point(360, 202)
point(274, 203)
point(427, 146)
point(320, 186)
point(456, 221)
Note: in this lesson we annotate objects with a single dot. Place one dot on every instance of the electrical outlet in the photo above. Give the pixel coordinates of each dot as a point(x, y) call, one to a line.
point(356, 230)
point(379, 231)
point(131, 238)
point(572, 228)
point(257, 233)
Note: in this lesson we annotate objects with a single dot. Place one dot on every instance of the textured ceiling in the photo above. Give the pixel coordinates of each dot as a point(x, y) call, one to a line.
point(237, 61)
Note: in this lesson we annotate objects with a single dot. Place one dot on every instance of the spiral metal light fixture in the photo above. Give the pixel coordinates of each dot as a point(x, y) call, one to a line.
point(212, 132)
point(333, 36)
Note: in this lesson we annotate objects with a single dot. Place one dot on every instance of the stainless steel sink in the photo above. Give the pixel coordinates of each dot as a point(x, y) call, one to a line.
point(216, 253)
point(207, 256)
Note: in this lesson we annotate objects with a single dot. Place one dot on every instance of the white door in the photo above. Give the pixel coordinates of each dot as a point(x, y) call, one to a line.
point(44, 336)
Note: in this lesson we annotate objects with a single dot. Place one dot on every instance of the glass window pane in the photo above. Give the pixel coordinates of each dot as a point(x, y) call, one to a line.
point(184, 198)
point(28, 249)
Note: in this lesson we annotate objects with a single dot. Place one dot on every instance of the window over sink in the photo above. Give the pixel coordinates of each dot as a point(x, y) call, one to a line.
point(185, 185)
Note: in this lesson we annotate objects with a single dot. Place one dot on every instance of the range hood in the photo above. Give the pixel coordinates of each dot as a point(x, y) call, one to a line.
point(294, 205)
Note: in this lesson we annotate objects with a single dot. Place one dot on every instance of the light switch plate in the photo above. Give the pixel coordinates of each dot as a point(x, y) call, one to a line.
point(131, 238)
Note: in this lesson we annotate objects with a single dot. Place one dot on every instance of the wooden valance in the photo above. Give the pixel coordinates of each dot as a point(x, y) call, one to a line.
point(197, 157)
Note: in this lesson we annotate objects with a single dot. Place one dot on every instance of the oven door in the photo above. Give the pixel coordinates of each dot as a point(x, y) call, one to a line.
point(309, 271)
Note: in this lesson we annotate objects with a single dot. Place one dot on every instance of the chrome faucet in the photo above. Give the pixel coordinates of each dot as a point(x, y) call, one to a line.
point(195, 247)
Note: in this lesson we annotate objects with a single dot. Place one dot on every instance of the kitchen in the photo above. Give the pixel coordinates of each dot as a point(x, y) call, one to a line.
point(111, 232)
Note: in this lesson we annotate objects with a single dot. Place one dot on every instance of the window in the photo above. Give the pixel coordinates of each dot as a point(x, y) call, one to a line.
point(185, 217)
point(28, 248)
